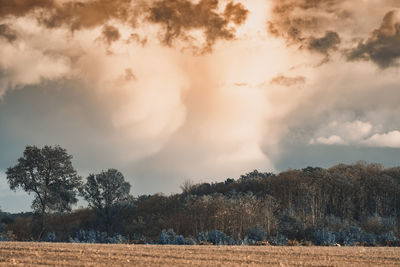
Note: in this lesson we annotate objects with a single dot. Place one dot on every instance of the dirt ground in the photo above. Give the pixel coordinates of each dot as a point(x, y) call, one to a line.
point(60, 254)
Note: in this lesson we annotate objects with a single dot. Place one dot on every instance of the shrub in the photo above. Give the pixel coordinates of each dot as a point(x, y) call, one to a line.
point(7, 236)
point(256, 233)
point(293, 243)
point(216, 237)
point(307, 243)
point(190, 241)
point(325, 237)
point(92, 236)
point(278, 240)
point(171, 238)
point(21, 229)
point(351, 236)
point(50, 237)
point(167, 237)
point(379, 225)
point(387, 239)
point(140, 239)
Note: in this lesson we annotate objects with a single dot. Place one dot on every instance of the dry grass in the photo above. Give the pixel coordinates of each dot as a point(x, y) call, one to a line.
point(53, 254)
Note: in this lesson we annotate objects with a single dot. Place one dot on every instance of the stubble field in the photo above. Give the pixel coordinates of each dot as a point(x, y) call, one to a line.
point(59, 254)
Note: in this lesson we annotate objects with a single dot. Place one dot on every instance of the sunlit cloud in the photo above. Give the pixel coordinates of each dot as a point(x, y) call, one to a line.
point(205, 85)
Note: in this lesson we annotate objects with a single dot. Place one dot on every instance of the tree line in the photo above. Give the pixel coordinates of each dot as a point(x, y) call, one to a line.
point(357, 204)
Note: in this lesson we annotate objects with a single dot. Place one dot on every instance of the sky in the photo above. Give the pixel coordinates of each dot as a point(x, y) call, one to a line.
point(202, 90)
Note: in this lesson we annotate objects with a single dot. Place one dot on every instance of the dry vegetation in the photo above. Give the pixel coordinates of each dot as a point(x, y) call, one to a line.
point(60, 254)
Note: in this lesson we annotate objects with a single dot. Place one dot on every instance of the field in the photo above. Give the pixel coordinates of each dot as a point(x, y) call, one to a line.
point(59, 254)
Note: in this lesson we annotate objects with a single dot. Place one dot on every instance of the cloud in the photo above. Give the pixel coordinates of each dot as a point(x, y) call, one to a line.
point(89, 14)
point(288, 81)
point(29, 59)
point(8, 33)
point(111, 34)
point(329, 42)
point(356, 130)
point(297, 21)
point(154, 95)
point(178, 17)
point(383, 46)
point(342, 133)
point(122, 74)
point(337, 25)
point(72, 14)
point(331, 140)
point(358, 133)
point(20, 8)
point(390, 139)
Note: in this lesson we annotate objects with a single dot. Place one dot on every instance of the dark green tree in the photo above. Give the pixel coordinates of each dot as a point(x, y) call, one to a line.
point(48, 174)
point(104, 192)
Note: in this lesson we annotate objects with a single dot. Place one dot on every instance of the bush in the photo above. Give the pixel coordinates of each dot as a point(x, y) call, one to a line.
point(190, 241)
point(21, 229)
point(307, 243)
point(216, 237)
point(139, 239)
point(387, 239)
point(167, 237)
point(171, 238)
point(325, 237)
point(4, 237)
point(350, 236)
point(293, 243)
point(256, 233)
point(50, 237)
point(8, 236)
point(92, 236)
point(355, 235)
point(278, 240)
point(291, 225)
point(379, 225)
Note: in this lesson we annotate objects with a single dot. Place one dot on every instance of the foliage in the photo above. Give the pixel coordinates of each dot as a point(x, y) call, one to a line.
point(104, 191)
point(325, 237)
point(93, 236)
point(50, 237)
point(216, 237)
point(349, 205)
point(170, 238)
point(49, 175)
point(278, 240)
point(388, 238)
point(255, 234)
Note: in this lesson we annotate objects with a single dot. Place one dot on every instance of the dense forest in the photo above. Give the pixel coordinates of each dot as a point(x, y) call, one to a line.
point(357, 204)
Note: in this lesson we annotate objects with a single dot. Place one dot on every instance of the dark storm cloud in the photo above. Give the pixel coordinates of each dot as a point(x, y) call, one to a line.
point(288, 81)
point(110, 34)
point(176, 16)
point(77, 15)
point(179, 16)
point(8, 33)
point(21, 7)
point(383, 47)
point(73, 14)
point(299, 22)
point(293, 19)
point(236, 12)
point(329, 42)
